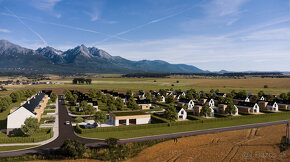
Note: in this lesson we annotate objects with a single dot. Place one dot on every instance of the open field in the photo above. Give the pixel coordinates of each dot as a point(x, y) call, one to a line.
point(276, 85)
point(257, 144)
point(131, 133)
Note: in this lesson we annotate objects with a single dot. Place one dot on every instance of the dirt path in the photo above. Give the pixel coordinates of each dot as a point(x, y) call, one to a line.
point(256, 144)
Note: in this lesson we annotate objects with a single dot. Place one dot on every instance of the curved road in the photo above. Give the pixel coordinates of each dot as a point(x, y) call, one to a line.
point(66, 132)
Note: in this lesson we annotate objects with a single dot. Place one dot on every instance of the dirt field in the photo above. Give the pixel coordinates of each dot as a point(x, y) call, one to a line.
point(258, 144)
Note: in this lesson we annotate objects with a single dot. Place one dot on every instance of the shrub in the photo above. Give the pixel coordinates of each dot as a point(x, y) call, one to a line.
point(78, 129)
point(112, 142)
point(79, 120)
point(72, 148)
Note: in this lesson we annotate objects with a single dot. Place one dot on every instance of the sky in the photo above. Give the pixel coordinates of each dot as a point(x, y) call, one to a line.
point(234, 35)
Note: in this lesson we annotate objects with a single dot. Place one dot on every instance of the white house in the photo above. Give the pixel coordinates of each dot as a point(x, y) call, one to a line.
point(248, 107)
point(211, 103)
point(129, 118)
point(186, 102)
point(237, 110)
point(162, 99)
point(262, 98)
point(181, 113)
point(272, 106)
point(16, 119)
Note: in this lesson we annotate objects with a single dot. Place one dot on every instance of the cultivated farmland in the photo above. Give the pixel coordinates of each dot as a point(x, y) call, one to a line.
point(257, 144)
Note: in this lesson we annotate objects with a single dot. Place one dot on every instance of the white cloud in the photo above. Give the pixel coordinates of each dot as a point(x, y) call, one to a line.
point(211, 53)
point(4, 30)
point(47, 6)
point(224, 7)
point(269, 34)
point(44, 4)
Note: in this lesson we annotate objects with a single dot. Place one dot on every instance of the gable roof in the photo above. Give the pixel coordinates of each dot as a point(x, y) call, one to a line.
point(247, 104)
point(184, 100)
point(178, 108)
point(33, 103)
point(143, 101)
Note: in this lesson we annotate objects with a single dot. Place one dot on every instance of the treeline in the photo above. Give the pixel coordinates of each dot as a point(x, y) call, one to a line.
point(14, 97)
point(81, 81)
point(163, 75)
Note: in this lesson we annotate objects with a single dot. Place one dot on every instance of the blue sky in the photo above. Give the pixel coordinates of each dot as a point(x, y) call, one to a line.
point(236, 35)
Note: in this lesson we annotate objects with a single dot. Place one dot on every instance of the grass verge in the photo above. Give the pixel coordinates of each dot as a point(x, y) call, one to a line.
point(194, 126)
point(11, 148)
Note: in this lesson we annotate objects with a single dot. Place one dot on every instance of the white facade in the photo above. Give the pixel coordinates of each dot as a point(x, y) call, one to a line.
point(17, 118)
point(211, 103)
point(190, 105)
point(237, 110)
point(247, 99)
point(142, 120)
point(182, 114)
point(273, 107)
point(96, 108)
point(255, 108)
point(212, 112)
point(162, 99)
point(138, 121)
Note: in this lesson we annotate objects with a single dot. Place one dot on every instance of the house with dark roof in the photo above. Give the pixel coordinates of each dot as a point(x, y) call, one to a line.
point(248, 107)
point(181, 113)
point(272, 106)
point(186, 102)
point(221, 94)
point(144, 104)
point(31, 108)
point(283, 104)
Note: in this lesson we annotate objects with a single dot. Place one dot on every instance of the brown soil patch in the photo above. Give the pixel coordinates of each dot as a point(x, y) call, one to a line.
point(258, 144)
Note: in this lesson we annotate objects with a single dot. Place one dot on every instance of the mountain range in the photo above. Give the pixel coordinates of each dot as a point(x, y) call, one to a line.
point(80, 59)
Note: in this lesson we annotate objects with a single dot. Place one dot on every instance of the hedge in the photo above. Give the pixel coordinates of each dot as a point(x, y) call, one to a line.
point(144, 126)
point(48, 135)
point(156, 119)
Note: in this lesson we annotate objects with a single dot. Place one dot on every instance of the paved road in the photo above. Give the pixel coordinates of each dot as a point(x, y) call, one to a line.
point(66, 132)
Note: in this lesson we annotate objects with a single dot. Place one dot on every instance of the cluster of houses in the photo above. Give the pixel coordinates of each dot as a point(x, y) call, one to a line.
point(32, 107)
point(84, 97)
point(26, 83)
point(193, 106)
point(140, 99)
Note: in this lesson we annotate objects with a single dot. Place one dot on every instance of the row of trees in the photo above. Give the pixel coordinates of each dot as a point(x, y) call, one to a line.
point(14, 97)
point(81, 81)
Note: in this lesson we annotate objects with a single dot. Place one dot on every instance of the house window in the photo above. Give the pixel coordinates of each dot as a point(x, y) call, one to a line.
point(182, 112)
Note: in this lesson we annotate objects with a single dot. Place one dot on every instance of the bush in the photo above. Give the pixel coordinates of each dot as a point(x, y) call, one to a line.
point(72, 148)
point(79, 120)
point(112, 142)
point(78, 129)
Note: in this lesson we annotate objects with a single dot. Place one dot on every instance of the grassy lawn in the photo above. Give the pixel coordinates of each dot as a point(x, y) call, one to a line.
point(10, 148)
point(41, 135)
point(3, 115)
point(183, 128)
point(48, 111)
